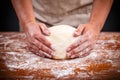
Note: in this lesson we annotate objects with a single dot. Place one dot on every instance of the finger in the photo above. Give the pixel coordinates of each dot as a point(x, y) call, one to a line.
point(47, 55)
point(78, 42)
point(80, 48)
point(33, 49)
point(40, 54)
point(85, 53)
point(79, 30)
point(44, 41)
point(44, 29)
point(32, 46)
point(43, 54)
point(42, 47)
point(46, 50)
point(82, 54)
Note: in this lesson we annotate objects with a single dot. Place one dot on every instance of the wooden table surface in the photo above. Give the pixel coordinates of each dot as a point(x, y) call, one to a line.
point(18, 63)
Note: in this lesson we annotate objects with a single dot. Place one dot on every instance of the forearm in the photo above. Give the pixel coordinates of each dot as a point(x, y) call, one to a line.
point(100, 12)
point(24, 11)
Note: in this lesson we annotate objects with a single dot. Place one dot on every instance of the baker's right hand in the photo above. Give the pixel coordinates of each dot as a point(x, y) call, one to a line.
point(37, 43)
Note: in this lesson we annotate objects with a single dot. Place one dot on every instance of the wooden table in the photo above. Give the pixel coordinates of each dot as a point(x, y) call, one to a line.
point(18, 63)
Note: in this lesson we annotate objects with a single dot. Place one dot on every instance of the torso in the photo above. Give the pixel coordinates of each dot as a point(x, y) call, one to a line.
point(57, 12)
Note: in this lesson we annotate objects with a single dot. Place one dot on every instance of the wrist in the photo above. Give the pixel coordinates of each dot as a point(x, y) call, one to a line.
point(97, 26)
point(28, 25)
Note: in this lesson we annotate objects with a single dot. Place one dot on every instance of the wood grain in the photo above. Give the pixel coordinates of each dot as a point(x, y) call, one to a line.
point(18, 63)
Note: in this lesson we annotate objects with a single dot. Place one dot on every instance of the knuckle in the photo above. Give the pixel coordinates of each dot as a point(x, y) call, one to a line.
point(73, 52)
point(35, 35)
point(48, 51)
point(45, 49)
point(35, 48)
point(78, 49)
point(40, 46)
point(32, 41)
point(29, 41)
point(36, 43)
point(42, 38)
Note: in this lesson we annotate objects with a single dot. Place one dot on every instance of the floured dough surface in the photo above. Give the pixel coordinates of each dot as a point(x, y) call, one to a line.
point(61, 37)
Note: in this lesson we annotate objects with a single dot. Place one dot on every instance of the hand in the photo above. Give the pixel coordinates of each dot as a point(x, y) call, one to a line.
point(88, 34)
point(37, 42)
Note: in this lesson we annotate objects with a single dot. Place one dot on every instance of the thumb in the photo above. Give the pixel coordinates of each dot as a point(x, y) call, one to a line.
point(79, 30)
point(44, 29)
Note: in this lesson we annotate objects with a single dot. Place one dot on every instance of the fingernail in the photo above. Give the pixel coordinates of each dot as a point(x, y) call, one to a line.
point(76, 33)
point(48, 32)
point(52, 53)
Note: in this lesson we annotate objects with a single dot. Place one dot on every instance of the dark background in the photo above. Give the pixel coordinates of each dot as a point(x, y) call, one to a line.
point(9, 20)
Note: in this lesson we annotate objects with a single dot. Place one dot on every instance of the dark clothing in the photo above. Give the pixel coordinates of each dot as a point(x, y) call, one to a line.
point(8, 18)
point(113, 20)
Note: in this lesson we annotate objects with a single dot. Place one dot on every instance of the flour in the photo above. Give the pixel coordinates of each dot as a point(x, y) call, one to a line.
point(62, 73)
point(16, 57)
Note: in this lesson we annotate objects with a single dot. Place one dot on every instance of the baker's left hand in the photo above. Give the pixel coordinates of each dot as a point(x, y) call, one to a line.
point(87, 36)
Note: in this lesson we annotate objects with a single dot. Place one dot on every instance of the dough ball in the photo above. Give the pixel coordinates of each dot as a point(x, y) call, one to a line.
point(61, 37)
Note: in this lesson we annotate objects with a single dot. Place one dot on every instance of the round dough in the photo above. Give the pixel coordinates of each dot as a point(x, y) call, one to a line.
point(61, 37)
